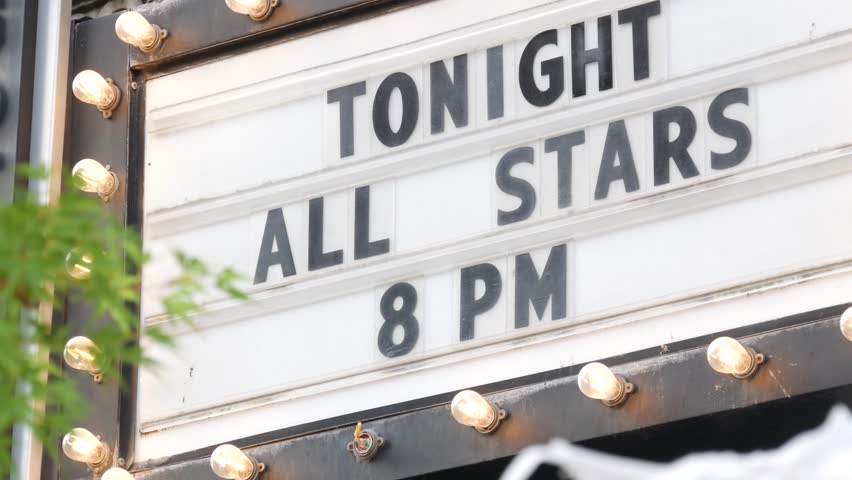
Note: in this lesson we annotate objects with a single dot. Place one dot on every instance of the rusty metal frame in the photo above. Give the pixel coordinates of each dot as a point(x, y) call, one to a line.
point(540, 406)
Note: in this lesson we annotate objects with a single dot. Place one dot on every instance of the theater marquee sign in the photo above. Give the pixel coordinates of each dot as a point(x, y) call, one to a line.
point(475, 198)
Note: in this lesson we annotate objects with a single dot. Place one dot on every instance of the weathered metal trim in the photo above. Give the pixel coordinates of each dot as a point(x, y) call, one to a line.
point(552, 403)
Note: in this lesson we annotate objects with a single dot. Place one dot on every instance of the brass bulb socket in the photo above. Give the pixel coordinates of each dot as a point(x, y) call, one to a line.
point(162, 34)
point(499, 416)
point(106, 110)
point(368, 447)
point(626, 388)
point(270, 5)
point(757, 359)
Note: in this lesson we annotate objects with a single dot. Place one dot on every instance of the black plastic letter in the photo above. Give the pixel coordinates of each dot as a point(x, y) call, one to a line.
point(318, 259)
point(553, 69)
point(728, 127)
point(275, 233)
point(470, 306)
point(346, 96)
point(564, 145)
point(449, 93)
point(410, 109)
point(495, 81)
point(404, 317)
point(580, 57)
point(616, 146)
point(638, 17)
point(364, 248)
point(530, 288)
point(665, 149)
point(515, 186)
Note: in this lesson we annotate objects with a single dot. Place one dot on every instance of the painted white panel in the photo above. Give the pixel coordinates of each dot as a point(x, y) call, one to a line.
point(267, 139)
point(752, 238)
point(219, 364)
point(711, 33)
point(805, 113)
point(228, 156)
point(422, 222)
point(214, 245)
point(572, 347)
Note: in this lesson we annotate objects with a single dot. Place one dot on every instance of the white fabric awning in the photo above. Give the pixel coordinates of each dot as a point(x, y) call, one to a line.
point(821, 454)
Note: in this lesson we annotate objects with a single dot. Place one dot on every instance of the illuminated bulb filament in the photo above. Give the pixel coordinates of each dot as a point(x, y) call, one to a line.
point(95, 177)
point(117, 474)
point(90, 87)
point(81, 445)
point(82, 354)
point(230, 462)
point(132, 28)
point(727, 355)
point(846, 324)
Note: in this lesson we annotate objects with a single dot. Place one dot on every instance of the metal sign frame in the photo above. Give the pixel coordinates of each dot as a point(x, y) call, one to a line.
point(420, 432)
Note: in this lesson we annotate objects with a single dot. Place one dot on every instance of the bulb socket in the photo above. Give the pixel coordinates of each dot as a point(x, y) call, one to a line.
point(105, 462)
point(162, 34)
point(107, 110)
point(624, 391)
point(106, 194)
point(257, 469)
point(757, 359)
point(368, 445)
point(270, 5)
point(499, 416)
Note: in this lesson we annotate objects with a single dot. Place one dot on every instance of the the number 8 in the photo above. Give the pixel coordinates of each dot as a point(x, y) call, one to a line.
point(403, 317)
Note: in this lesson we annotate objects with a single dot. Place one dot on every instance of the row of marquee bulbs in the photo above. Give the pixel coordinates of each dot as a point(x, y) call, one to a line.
point(134, 29)
point(595, 380)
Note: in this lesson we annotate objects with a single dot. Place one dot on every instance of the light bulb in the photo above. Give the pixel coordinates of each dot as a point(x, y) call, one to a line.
point(230, 462)
point(256, 9)
point(81, 445)
point(117, 474)
point(469, 408)
point(78, 265)
point(82, 354)
point(846, 324)
point(727, 355)
point(90, 87)
point(597, 381)
point(134, 29)
point(96, 178)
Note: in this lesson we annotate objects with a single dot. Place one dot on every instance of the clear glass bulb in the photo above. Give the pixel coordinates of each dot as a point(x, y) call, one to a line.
point(96, 178)
point(597, 381)
point(248, 7)
point(727, 355)
point(82, 354)
point(132, 28)
point(78, 265)
point(469, 408)
point(117, 474)
point(81, 445)
point(846, 324)
point(230, 462)
point(90, 87)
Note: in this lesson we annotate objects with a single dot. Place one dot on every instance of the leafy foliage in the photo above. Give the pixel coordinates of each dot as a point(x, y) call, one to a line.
point(37, 245)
